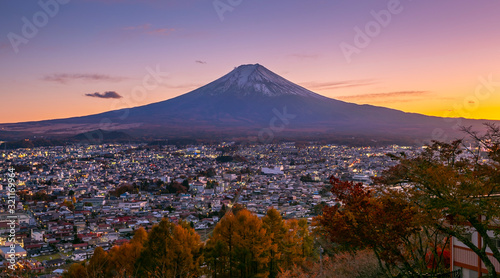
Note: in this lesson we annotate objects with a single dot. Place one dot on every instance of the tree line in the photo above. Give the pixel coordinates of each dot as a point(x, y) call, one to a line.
point(241, 245)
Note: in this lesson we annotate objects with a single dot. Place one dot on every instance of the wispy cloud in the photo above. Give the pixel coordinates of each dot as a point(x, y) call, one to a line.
point(401, 96)
point(160, 31)
point(109, 94)
point(149, 29)
point(200, 62)
point(183, 86)
point(67, 77)
point(337, 84)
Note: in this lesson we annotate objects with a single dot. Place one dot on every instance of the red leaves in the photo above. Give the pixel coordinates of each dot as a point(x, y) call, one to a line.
point(345, 191)
point(364, 220)
point(432, 261)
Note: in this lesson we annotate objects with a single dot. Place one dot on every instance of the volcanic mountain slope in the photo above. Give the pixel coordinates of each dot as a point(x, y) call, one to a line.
point(247, 101)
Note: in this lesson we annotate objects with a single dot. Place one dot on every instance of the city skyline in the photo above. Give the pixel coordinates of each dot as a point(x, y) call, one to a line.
point(66, 58)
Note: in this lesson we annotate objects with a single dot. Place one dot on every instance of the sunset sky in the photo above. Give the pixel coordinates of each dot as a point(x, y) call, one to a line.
point(78, 57)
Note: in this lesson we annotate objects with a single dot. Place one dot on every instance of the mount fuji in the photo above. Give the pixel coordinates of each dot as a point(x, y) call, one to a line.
point(253, 102)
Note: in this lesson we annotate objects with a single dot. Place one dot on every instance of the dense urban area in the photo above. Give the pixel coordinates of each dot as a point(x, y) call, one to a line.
point(69, 200)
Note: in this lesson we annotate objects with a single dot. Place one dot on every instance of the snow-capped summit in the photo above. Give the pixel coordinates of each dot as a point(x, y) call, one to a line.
point(249, 80)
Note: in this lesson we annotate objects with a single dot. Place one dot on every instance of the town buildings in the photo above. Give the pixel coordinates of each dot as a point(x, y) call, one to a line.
point(72, 199)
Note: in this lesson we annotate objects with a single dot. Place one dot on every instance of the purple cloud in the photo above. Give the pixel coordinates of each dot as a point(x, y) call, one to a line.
point(109, 94)
point(386, 95)
point(390, 97)
point(65, 77)
point(337, 84)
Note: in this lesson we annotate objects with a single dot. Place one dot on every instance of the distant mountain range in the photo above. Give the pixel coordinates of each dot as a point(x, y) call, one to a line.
point(252, 103)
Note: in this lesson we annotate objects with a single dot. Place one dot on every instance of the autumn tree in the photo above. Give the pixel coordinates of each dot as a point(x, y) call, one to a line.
point(220, 247)
point(122, 258)
point(76, 270)
point(297, 244)
point(390, 227)
point(305, 240)
point(218, 258)
point(171, 250)
point(68, 204)
point(251, 250)
point(140, 236)
point(97, 265)
point(239, 247)
point(275, 231)
point(455, 186)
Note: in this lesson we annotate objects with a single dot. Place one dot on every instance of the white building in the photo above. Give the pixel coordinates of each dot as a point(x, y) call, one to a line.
point(277, 170)
point(37, 235)
point(462, 257)
point(79, 255)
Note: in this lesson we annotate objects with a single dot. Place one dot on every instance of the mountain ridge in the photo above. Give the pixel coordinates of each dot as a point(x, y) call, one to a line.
point(248, 101)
